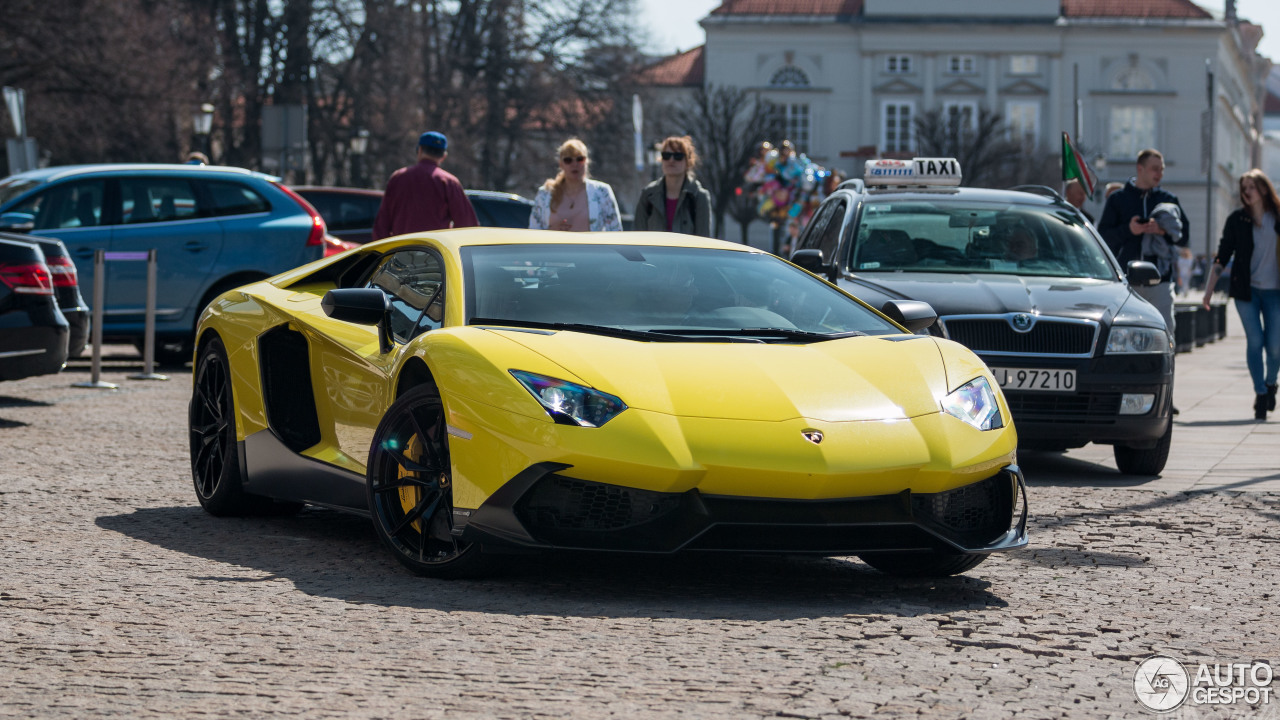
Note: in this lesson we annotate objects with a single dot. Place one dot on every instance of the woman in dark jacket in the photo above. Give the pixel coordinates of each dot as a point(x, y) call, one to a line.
point(1251, 234)
point(675, 202)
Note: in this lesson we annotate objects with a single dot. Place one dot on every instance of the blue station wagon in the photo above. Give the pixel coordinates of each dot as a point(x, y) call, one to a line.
point(214, 228)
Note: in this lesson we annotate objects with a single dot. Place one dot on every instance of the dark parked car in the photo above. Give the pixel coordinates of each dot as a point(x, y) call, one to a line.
point(349, 212)
point(66, 288)
point(214, 228)
point(1026, 283)
point(33, 331)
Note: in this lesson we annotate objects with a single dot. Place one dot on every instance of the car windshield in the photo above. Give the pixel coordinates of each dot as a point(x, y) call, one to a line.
point(953, 235)
point(672, 291)
point(13, 187)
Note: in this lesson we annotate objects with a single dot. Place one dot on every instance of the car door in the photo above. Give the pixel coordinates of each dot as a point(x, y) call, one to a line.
point(164, 213)
point(812, 235)
point(76, 213)
point(352, 215)
point(358, 376)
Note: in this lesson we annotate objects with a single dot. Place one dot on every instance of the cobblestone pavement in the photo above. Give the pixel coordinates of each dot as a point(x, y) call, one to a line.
point(120, 597)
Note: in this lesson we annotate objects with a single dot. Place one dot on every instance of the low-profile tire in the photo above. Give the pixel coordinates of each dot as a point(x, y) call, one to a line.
point(410, 489)
point(215, 457)
point(922, 564)
point(1149, 461)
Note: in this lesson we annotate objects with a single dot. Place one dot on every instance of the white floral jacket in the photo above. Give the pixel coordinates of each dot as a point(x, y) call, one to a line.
point(602, 208)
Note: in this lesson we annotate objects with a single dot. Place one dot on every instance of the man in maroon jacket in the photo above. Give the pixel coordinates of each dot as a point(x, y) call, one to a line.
point(424, 196)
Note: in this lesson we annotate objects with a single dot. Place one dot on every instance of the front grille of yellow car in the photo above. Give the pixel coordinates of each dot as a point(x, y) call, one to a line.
point(561, 503)
point(975, 513)
point(558, 511)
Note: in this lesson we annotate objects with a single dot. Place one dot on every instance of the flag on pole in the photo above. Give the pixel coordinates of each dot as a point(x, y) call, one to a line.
point(1074, 166)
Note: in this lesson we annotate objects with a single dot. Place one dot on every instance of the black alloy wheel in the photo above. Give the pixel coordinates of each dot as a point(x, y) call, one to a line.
point(410, 488)
point(215, 459)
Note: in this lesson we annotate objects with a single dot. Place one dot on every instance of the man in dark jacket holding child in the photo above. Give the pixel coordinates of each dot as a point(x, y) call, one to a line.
point(1130, 215)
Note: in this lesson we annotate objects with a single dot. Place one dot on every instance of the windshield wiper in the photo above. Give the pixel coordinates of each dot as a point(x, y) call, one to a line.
point(575, 327)
point(784, 333)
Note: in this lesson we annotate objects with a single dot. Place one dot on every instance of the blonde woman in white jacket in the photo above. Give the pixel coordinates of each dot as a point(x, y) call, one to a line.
point(572, 201)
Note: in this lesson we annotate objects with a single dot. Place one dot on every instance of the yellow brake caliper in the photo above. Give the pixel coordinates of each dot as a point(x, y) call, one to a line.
point(411, 495)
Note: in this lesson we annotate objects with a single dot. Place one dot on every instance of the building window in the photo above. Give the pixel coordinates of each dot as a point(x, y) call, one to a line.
point(1133, 78)
point(895, 126)
point(796, 122)
point(961, 65)
point(1133, 128)
point(1023, 119)
point(961, 115)
point(897, 64)
point(789, 77)
point(1023, 65)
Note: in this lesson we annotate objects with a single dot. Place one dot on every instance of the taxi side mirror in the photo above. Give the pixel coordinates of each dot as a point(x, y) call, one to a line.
point(361, 306)
point(811, 259)
point(914, 315)
point(1142, 274)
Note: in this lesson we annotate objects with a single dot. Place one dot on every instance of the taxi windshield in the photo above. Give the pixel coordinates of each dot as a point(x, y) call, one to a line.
point(656, 289)
point(953, 235)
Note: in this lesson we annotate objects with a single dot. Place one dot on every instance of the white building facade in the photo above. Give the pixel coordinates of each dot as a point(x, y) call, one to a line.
point(852, 76)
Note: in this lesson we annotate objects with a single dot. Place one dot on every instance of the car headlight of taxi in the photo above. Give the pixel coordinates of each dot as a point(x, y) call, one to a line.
point(570, 403)
point(1125, 339)
point(975, 403)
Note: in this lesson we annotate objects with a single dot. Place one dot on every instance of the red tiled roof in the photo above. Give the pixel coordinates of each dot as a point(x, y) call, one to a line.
point(789, 7)
point(679, 70)
point(1134, 9)
point(1177, 9)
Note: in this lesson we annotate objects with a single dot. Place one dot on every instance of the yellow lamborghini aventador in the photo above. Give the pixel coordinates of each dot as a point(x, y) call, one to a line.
point(482, 390)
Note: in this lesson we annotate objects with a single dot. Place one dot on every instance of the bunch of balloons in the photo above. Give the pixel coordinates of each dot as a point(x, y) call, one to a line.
point(786, 184)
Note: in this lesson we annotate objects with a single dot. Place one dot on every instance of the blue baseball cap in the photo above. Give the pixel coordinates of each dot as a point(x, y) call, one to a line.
point(433, 141)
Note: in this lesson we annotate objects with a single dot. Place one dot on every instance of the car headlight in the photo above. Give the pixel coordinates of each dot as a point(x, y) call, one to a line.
point(569, 403)
point(975, 403)
point(1124, 339)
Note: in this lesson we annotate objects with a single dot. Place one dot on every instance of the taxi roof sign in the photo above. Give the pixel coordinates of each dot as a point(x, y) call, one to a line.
point(917, 171)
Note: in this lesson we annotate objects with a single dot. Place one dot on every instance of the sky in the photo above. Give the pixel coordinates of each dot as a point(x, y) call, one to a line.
point(673, 24)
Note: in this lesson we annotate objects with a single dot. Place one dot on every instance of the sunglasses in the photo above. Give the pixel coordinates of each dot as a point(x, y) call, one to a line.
point(666, 155)
point(570, 160)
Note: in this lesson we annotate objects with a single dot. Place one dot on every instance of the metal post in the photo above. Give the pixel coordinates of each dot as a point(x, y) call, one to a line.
point(149, 329)
point(1077, 108)
point(1208, 205)
point(99, 295)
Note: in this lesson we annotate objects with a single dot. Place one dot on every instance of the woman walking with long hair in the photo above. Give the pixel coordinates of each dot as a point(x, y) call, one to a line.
point(676, 202)
point(572, 200)
point(1251, 234)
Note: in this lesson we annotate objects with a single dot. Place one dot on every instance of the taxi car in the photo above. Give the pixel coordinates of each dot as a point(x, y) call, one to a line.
point(1023, 280)
point(480, 390)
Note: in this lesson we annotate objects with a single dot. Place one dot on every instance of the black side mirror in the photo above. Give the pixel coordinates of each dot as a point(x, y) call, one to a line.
point(361, 306)
point(1142, 274)
point(913, 315)
point(811, 259)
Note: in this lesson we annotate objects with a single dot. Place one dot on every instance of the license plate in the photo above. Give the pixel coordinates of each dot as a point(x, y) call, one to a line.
point(1035, 379)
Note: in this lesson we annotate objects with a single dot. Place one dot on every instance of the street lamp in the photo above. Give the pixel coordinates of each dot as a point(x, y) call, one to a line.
point(202, 122)
point(359, 146)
